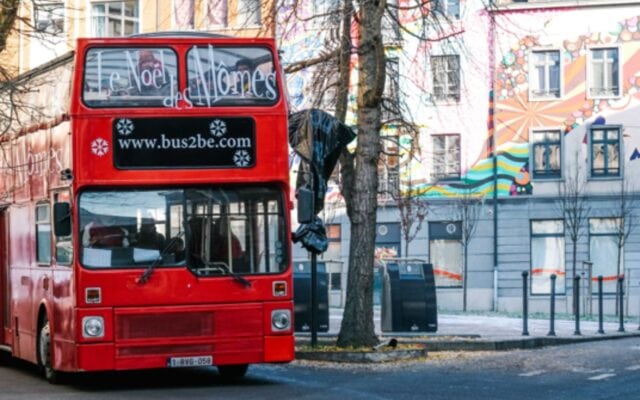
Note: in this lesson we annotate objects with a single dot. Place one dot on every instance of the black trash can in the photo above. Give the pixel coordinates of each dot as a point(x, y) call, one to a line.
point(302, 296)
point(409, 298)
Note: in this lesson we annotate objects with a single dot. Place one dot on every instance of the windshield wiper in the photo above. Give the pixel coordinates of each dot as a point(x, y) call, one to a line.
point(144, 278)
point(218, 265)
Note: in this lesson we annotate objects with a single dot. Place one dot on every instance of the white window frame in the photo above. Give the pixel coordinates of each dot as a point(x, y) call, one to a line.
point(240, 5)
point(446, 95)
point(447, 176)
point(533, 75)
point(590, 72)
point(442, 6)
point(532, 165)
point(539, 285)
point(44, 3)
point(123, 18)
point(206, 14)
point(609, 286)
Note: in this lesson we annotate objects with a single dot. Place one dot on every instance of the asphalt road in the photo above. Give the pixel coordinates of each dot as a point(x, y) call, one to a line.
point(596, 370)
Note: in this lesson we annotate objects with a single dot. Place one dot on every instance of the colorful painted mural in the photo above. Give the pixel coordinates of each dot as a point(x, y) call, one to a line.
point(515, 115)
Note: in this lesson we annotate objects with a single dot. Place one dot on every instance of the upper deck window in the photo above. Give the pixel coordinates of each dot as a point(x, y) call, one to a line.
point(130, 77)
point(231, 76)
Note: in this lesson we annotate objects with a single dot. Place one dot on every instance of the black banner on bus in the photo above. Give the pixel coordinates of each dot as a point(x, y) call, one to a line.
point(148, 143)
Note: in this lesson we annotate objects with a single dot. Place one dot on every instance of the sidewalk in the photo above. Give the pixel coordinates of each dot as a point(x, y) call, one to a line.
point(485, 333)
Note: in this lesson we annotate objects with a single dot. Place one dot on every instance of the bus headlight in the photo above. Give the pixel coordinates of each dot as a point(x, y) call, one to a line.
point(281, 320)
point(92, 327)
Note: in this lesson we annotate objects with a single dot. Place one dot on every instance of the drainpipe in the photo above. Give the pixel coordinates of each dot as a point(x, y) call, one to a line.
point(492, 143)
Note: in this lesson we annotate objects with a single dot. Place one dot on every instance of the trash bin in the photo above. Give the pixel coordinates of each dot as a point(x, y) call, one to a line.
point(302, 296)
point(409, 298)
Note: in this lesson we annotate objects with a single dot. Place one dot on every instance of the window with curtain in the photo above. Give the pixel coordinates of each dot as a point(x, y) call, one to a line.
point(544, 77)
point(115, 18)
point(605, 151)
point(217, 13)
point(446, 157)
point(605, 73)
point(446, 77)
point(547, 256)
point(603, 252)
point(249, 13)
point(450, 8)
point(445, 253)
point(547, 147)
point(48, 16)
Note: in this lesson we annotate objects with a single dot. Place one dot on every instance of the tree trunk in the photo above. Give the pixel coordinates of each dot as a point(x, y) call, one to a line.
point(464, 279)
point(357, 325)
point(8, 15)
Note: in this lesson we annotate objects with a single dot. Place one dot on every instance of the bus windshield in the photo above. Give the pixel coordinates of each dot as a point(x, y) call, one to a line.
point(130, 77)
point(228, 76)
point(213, 231)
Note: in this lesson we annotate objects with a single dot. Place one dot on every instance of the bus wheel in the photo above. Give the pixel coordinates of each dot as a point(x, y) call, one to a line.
point(44, 354)
point(233, 371)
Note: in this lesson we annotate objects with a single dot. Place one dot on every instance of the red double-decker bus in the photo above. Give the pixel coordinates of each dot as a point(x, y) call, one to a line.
point(144, 208)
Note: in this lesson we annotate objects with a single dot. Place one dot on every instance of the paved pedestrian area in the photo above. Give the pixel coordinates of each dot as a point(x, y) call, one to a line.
point(482, 332)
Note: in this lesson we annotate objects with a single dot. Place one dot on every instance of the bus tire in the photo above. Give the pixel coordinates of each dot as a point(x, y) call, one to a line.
point(232, 372)
point(44, 354)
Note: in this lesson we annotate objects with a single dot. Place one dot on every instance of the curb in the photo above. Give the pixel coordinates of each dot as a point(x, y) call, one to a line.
point(362, 357)
point(463, 344)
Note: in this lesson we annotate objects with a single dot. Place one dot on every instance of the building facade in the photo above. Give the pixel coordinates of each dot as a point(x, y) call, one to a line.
point(519, 105)
point(48, 28)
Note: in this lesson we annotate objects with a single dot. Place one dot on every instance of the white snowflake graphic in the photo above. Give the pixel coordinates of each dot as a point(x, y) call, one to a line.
point(99, 147)
point(218, 127)
point(124, 127)
point(241, 158)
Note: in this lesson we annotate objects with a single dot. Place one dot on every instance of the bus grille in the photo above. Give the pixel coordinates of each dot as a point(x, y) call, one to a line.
point(221, 322)
point(164, 325)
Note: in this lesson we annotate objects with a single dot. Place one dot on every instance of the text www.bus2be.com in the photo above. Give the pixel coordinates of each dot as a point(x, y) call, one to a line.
point(192, 142)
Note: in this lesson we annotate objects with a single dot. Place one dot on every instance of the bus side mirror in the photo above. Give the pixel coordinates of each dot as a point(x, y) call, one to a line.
point(62, 219)
point(305, 205)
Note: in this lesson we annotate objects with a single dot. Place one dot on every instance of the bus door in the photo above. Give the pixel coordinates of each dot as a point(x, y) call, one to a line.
point(5, 333)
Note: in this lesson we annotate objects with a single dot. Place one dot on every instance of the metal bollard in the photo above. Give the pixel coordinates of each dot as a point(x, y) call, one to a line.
point(600, 307)
point(576, 285)
point(525, 304)
point(552, 301)
point(620, 302)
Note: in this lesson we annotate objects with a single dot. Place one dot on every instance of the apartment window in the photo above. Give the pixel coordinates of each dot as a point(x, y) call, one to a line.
point(605, 151)
point(450, 8)
point(446, 157)
point(183, 14)
point(391, 97)
point(217, 13)
point(605, 73)
point(446, 77)
point(43, 234)
point(248, 13)
point(603, 252)
point(445, 253)
point(545, 74)
point(117, 18)
point(547, 255)
point(547, 153)
point(48, 16)
point(332, 255)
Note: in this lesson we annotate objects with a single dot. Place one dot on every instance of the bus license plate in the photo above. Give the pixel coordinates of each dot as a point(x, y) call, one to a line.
point(200, 361)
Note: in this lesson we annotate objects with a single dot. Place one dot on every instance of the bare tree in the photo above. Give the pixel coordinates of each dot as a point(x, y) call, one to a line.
point(625, 223)
point(365, 23)
point(574, 206)
point(467, 209)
